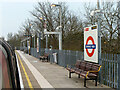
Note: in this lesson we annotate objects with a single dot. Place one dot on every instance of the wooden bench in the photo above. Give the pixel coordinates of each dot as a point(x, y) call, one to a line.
point(88, 70)
point(45, 57)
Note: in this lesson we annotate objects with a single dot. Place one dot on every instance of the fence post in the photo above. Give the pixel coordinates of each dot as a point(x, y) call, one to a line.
point(118, 72)
point(50, 56)
point(39, 44)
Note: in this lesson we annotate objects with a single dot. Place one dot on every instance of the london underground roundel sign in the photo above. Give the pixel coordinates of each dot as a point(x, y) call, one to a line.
point(91, 44)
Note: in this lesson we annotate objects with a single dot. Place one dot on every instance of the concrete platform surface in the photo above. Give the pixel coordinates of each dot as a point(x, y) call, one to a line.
point(52, 75)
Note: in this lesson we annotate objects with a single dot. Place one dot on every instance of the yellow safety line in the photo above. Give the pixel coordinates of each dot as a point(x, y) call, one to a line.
point(28, 80)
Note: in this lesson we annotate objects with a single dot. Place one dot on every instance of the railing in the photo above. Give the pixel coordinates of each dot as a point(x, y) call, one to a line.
point(109, 71)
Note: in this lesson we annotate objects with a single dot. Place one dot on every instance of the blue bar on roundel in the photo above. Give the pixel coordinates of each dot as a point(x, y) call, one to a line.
point(90, 46)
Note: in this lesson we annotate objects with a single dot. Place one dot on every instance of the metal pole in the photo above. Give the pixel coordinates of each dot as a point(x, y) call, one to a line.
point(118, 22)
point(34, 45)
point(60, 37)
point(60, 41)
point(40, 44)
point(28, 46)
point(46, 43)
point(99, 35)
point(99, 39)
point(118, 72)
point(46, 35)
point(118, 45)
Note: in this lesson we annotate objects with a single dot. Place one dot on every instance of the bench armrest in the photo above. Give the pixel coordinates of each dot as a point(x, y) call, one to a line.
point(92, 71)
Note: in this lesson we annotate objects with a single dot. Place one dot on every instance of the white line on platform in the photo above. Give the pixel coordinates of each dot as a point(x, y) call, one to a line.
point(20, 76)
point(40, 79)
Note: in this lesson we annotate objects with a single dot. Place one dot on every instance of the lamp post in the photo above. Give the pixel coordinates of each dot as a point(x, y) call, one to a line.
point(99, 38)
point(60, 15)
point(98, 11)
point(45, 35)
point(118, 88)
point(34, 43)
point(118, 25)
point(99, 29)
point(29, 40)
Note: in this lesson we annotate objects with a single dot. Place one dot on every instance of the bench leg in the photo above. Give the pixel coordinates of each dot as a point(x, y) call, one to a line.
point(40, 58)
point(43, 59)
point(69, 74)
point(78, 75)
point(85, 82)
point(96, 81)
point(46, 59)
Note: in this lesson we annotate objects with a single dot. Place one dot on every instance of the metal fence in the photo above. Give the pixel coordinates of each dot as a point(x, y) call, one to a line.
point(23, 48)
point(109, 71)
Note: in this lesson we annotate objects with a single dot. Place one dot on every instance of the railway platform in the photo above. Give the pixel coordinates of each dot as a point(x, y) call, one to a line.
point(37, 74)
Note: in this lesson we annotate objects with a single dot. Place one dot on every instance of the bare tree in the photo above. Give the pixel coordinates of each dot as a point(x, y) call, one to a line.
point(109, 16)
point(26, 26)
point(50, 15)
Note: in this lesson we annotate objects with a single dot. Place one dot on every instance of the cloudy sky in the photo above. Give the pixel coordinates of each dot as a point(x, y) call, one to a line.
point(14, 12)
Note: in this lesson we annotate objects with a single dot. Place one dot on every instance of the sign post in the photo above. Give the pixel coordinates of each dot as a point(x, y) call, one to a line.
point(91, 44)
point(40, 44)
point(28, 43)
point(37, 44)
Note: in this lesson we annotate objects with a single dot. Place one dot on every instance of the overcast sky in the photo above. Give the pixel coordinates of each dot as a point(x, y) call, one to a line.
point(13, 14)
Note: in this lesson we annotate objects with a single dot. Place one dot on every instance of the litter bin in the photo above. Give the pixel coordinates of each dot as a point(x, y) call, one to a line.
point(55, 58)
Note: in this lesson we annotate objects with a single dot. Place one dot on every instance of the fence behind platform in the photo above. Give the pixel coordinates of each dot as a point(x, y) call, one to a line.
point(109, 72)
